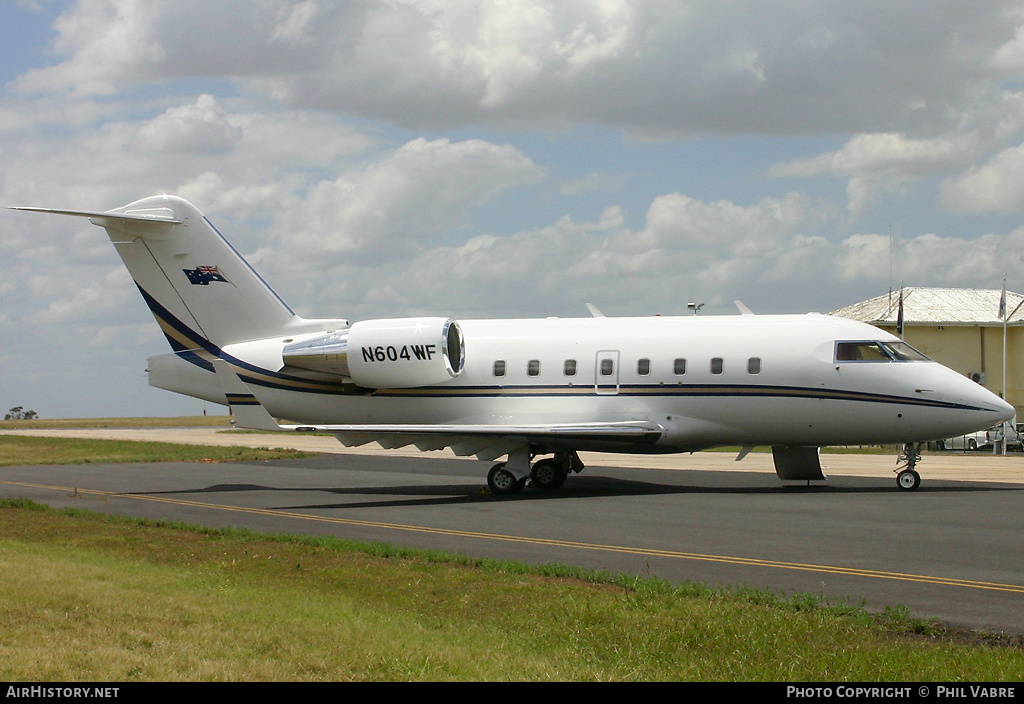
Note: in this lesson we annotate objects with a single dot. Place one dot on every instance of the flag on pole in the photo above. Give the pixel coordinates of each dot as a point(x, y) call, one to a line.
point(1002, 301)
point(899, 315)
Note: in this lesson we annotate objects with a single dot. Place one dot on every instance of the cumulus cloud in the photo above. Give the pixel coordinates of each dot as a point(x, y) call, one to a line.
point(404, 202)
point(995, 186)
point(686, 248)
point(885, 154)
point(777, 265)
point(875, 164)
point(191, 129)
point(652, 67)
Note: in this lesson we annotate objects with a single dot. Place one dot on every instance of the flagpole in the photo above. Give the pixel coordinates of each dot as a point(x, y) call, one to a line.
point(899, 315)
point(1005, 319)
point(1002, 314)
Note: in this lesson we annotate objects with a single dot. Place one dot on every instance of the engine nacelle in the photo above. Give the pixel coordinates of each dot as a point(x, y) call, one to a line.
point(405, 353)
point(399, 353)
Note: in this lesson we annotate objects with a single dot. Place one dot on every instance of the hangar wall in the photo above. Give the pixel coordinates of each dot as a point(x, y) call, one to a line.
point(959, 328)
point(972, 351)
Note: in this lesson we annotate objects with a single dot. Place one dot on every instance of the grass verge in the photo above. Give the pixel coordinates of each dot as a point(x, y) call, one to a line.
point(89, 597)
point(29, 450)
point(153, 422)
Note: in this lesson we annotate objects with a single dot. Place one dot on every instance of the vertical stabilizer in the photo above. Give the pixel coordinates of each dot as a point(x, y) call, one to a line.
point(190, 276)
point(201, 291)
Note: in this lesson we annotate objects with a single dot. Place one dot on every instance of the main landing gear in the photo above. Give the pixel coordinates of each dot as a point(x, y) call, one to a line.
point(907, 477)
point(501, 481)
point(550, 473)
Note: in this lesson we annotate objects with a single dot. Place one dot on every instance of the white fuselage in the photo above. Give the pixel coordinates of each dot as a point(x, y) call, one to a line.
point(707, 380)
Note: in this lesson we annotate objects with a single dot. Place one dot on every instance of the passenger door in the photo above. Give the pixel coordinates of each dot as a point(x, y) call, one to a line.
point(606, 372)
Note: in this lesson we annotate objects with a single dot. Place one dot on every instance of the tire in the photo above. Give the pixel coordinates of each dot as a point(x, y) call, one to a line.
point(500, 481)
point(547, 474)
point(908, 480)
point(972, 444)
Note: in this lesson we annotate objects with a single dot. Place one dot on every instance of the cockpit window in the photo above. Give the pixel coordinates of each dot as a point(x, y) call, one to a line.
point(877, 351)
point(861, 352)
point(905, 353)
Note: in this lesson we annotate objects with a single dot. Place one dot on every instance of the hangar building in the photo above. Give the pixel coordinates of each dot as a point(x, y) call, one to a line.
point(957, 327)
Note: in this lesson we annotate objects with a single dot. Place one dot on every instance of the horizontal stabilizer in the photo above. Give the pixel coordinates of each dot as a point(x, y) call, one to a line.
point(152, 222)
point(162, 215)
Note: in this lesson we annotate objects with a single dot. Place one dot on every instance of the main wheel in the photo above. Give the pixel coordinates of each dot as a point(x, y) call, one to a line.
point(547, 474)
point(908, 480)
point(502, 481)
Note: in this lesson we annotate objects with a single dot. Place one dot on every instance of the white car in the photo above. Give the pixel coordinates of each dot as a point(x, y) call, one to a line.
point(1013, 435)
point(971, 441)
point(985, 438)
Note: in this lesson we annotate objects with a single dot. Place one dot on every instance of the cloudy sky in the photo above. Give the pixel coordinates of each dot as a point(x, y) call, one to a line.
point(499, 158)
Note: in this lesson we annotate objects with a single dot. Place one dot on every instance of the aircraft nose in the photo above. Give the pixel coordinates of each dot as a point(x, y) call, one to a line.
point(977, 407)
point(988, 403)
point(1005, 410)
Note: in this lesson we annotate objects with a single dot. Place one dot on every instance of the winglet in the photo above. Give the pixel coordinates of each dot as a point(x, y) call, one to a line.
point(743, 309)
point(247, 409)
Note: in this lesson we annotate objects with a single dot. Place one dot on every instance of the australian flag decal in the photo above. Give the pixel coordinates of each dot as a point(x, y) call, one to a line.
point(203, 275)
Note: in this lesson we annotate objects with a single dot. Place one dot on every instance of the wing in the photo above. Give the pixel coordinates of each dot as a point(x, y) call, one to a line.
point(492, 441)
point(484, 441)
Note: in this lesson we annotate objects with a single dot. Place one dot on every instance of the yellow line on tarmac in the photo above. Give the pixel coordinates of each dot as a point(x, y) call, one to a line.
point(551, 542)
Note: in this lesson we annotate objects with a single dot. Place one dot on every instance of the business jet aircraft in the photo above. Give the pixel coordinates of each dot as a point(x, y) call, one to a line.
point(522, 389)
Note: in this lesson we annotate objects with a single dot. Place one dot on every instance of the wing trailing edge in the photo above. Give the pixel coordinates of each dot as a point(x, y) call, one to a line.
point(483, 441)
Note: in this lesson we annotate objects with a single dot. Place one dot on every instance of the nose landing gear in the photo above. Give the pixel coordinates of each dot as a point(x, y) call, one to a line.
point(907, 477)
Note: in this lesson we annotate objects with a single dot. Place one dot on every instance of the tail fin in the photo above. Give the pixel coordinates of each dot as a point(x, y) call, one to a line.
point(201, 291)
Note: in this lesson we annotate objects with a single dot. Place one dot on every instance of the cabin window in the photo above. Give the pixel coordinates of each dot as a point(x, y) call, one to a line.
point(607, 367)
point(499, 368)
point(679, 366)
point(569, 368)
point(643, 367)
point(754, 365)
point(716, 365)
point(533, 367)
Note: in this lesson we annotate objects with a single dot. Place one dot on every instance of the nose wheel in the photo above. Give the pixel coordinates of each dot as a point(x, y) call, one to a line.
point(907, 477)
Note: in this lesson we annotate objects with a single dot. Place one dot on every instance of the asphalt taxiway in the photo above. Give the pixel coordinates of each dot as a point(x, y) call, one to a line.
point(951, 550)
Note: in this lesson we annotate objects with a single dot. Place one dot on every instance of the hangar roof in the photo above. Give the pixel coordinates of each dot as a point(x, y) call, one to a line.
point(937, 306)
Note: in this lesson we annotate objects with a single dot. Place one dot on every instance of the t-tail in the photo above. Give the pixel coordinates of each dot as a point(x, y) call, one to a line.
point(201, 291)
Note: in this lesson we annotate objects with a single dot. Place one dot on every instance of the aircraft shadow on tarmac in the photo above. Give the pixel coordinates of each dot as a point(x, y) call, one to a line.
point(589, 487)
